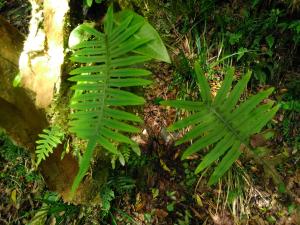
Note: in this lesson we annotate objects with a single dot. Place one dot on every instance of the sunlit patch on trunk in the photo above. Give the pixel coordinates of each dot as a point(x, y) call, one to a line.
point(43, 55)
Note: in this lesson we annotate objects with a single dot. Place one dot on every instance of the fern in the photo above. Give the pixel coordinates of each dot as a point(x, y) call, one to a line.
point(126, 152)
point(107, 196)
point(98, 103)
point(121, 184)
point(221, 122)
point(48, 141)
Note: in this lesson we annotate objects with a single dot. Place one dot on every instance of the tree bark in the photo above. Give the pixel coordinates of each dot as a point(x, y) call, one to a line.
point(40, 62)
point(22, 109)
point(18, 115)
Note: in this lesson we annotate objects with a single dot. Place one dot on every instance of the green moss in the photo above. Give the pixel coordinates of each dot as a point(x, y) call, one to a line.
point(8, 150)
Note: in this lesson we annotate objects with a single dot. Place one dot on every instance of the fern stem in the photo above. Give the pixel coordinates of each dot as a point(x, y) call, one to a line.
point(92, 142)
point(105, 86)
point(84, 164)
point(228, 125)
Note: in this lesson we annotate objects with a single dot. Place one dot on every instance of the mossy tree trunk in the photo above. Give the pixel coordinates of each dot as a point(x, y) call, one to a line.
point(39, 60)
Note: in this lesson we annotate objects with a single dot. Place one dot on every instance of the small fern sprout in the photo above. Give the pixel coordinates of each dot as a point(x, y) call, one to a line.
point(49, 140)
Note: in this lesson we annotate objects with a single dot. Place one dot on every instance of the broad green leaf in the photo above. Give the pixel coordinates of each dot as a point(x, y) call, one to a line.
point(119, 30)
point(80, 34)
point(122, 38)
point(128, 47)
point(156, 49)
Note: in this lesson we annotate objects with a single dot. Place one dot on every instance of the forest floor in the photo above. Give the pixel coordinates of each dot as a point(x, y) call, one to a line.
point(162, 189)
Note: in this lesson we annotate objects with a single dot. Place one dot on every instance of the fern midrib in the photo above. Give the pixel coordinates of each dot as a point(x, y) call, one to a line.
point(249, 150)
point(93, 139)
point(220, 117)
point(107, 73)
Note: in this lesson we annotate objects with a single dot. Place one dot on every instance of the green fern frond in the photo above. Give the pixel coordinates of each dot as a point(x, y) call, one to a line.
point(221, 122)
point(127, 149)
point(48, 141)
point(107, 195)
point(108, 66)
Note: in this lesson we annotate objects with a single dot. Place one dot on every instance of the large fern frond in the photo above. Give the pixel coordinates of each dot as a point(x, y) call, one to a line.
point(48, 141)
point(109, 58)
point(221, 122)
